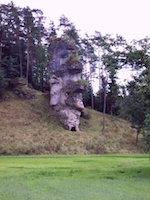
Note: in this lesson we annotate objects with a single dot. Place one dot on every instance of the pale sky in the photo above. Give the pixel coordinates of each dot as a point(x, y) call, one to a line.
point(129, 18)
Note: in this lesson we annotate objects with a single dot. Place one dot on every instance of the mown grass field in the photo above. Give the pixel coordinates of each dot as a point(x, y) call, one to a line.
point(103, 177)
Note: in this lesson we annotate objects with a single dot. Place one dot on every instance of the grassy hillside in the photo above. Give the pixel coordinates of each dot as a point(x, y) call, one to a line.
point(30, 127)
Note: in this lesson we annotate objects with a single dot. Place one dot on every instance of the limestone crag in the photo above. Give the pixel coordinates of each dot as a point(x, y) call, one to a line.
point(65, 83)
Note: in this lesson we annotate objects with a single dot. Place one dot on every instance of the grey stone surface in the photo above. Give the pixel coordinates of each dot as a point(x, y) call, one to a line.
point(66, 87)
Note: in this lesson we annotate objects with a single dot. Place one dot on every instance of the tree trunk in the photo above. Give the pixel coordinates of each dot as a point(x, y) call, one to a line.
point(137, 136)
point(30, 79)
point(0, 53)
point(104, 111)
point(92, 98)
point(0, 47)
point(28, 62)
point(17, 31)
point(41, 78)
point(20, 55)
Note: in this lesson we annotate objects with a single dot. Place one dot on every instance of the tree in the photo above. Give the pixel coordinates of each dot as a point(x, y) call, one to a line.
point(28, 31)
point(35, 34)
point(89, 59)
point(110, 53)
point(68, 29)
point(16, 24)
point(40, 52)
point(3, 81)
point(87, 94)
point(136, 103)
point(7, 43)
point(146, 131)
point(22, 44)
point(133, 107)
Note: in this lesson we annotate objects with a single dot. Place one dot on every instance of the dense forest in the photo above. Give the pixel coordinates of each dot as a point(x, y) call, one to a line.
point(25, 45)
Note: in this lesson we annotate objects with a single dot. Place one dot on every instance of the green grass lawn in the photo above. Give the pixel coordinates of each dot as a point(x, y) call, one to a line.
point(104, 177)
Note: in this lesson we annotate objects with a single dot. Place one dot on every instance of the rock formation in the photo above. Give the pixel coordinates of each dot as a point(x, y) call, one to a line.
point(65, 83)
point(19, 87)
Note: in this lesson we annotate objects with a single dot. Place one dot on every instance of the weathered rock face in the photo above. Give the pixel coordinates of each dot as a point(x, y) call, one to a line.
point(65, 83)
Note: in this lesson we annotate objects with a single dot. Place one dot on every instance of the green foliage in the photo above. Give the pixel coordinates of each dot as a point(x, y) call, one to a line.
point(24, 52)
point(146, 131)
point(83, 83)
point(133, 106)
point(3, 81)
point(73, 59)
point(87, 94)
point(69, 31)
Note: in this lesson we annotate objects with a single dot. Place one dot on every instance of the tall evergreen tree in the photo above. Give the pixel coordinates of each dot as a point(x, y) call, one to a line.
point(89, 58)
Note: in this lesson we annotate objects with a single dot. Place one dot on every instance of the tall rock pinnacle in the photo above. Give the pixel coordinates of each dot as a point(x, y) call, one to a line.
point(65, 83)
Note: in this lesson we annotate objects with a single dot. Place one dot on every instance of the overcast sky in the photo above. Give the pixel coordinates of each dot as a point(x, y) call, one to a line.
point(129, 18)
